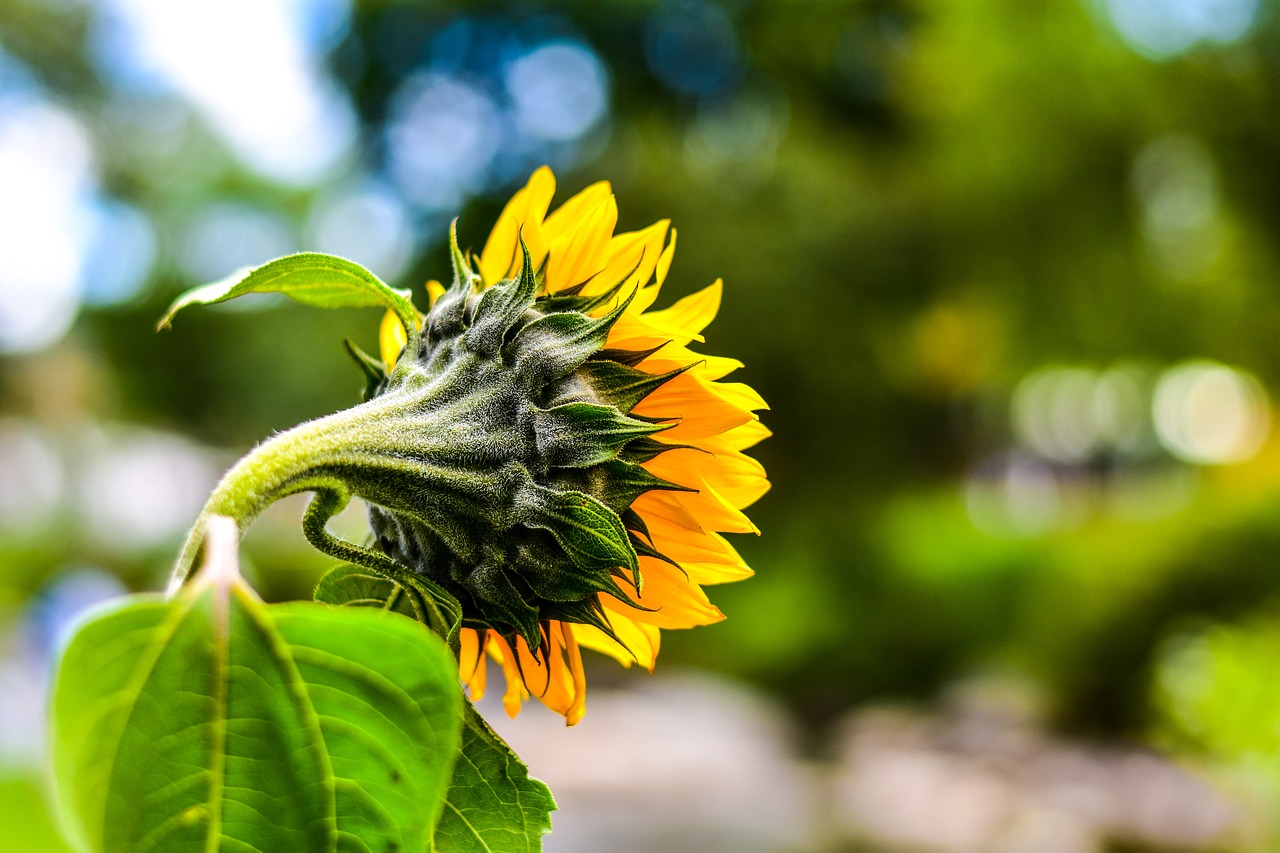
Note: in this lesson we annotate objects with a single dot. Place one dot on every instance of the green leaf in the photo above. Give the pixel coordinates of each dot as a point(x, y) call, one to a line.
point(493, 805)
point(216, 722)
point(407, 593)
point(312, 278)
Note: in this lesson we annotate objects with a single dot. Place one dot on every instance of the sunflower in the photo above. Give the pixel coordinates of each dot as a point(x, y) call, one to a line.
point(693, 429)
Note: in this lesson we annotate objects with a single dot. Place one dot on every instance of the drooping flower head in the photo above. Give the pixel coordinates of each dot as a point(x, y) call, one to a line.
point(547, 464)
point(590, 460)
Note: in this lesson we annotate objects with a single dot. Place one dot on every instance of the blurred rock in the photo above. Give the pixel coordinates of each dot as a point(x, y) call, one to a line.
point(982, 776)
point(681, 763)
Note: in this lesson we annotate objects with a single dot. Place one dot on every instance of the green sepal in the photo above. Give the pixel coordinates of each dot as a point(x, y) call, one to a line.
point(447, 315)
point(564, 299)
point(644, 549)
point(620, 385)
point(616, 483)
point(602, 299)
point(528, 277)
point(375, 372)
point(634, 523)
point(643, 449)
point(629, 357)
point(589, 532)
point(405, 592)
point(559, 303)
point(499, 308)
point(539, 563)
point(551, 346)
point(577, 435)
point(588, 611)
point(464, 277)
point(312, 278)
point(571, 298)
point(502, 602)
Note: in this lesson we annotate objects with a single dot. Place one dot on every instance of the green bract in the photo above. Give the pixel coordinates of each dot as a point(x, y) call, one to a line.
point(498, 458)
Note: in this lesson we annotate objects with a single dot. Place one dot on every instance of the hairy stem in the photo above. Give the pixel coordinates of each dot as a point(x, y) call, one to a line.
point(291, 462)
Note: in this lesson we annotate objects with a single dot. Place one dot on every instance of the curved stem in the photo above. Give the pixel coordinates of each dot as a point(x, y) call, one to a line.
point(327, 503)
point(277, 468)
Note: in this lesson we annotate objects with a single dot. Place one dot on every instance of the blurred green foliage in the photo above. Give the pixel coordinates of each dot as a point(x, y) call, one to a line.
point(24, 816)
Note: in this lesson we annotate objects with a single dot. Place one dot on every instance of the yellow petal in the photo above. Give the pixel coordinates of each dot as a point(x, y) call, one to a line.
point(632, 258)
point(579, 707)
point(560, 693)
point(515, 693)
point(708, 510)
point(471, 663)
point(709, 574)
point(673, 600)
point(742, 437)
point(434, 291)
point(391, 339)
point(523, 215)
point(635, 331)
point(479, 679)
point(713, 510)
point(468, 653)
point(691, 314)
point(708, 558)
point(739, 479)
point(570, 214)
point(646, 296)
point(651, 508)
point(673, 356)
point(638, 643)
point(739, 394)
point(583, 252)
point(682, 544)
point(664, 262)
point(535, 672)
point(701, 411)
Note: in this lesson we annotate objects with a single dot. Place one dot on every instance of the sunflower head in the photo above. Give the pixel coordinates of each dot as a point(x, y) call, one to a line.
point(545, 455)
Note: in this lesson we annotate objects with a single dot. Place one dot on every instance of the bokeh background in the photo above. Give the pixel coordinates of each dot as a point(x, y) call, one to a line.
point(1008, 273)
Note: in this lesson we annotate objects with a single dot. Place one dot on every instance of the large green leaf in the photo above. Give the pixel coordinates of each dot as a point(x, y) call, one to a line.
point(493, 805)
point(214, 722)
point(312, 278)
